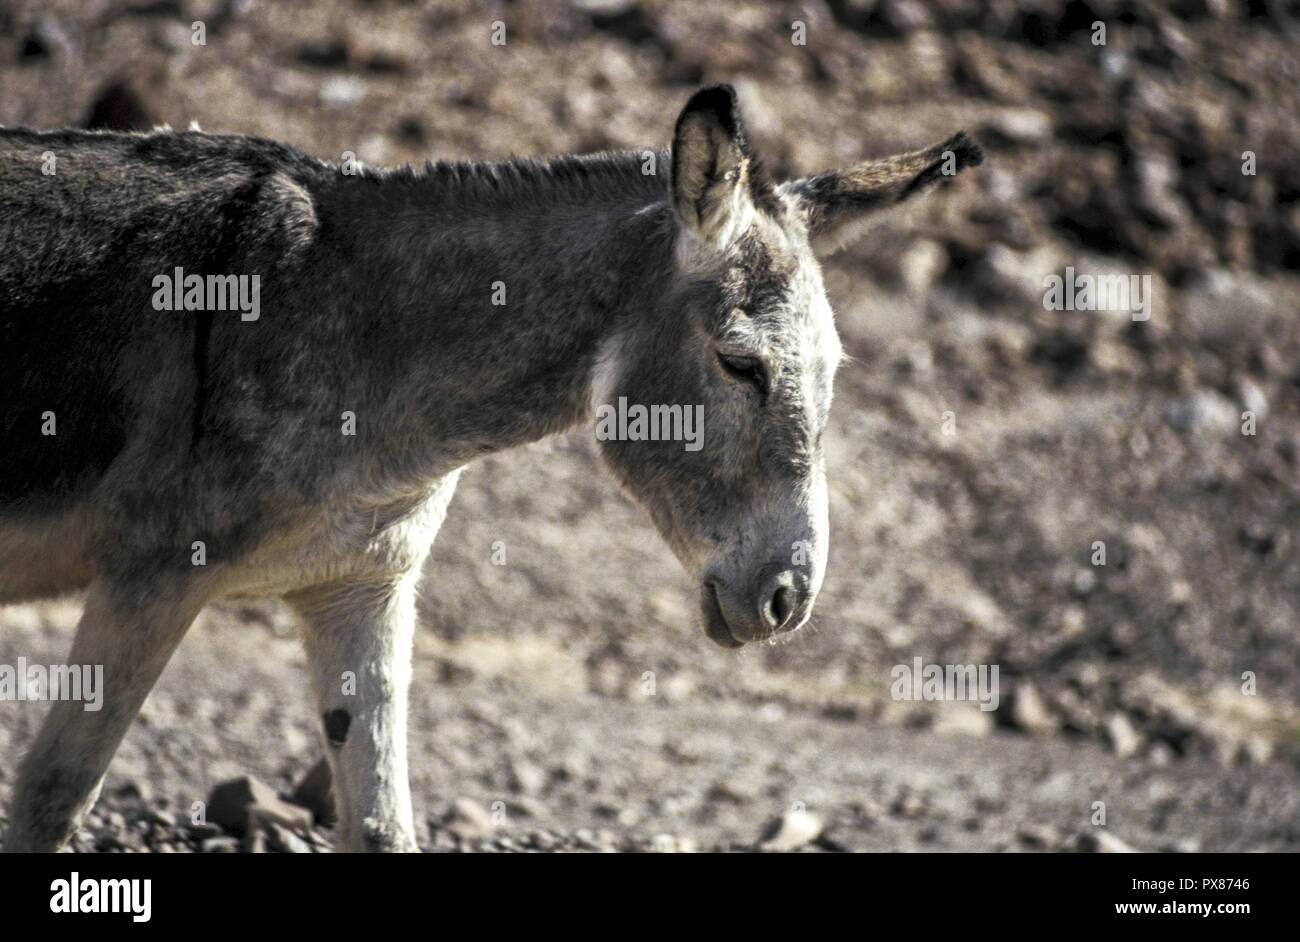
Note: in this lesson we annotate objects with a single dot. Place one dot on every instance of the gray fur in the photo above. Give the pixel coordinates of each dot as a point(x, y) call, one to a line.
point(376, 299)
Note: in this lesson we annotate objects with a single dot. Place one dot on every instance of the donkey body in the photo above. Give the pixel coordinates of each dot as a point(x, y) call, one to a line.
point(408, 322)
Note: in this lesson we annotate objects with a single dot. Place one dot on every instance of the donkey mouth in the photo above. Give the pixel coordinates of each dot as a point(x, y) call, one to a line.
point(715, 625)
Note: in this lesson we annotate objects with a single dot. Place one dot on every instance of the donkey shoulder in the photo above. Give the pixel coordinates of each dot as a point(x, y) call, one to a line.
point(155, 198)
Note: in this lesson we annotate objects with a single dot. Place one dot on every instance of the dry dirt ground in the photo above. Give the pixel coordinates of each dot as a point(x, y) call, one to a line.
point(572, 685)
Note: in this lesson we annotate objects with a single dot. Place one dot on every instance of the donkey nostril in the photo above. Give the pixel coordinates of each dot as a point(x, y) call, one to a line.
point(782, 606)
point(780, 601)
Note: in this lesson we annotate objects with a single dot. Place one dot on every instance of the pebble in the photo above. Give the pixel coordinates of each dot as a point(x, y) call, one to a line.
point(1202, 410)
point(468, 820)
point(315, 791)
point(287, 841)
point(1101, 841)
point(235, 804)
point(201, 832)
point(220, 845)
point(791, 831)
point(1124, 739)
point(1029, 712)
point(527, 777)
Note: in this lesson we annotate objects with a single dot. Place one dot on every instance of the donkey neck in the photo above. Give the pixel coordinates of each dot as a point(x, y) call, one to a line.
point(486, 292)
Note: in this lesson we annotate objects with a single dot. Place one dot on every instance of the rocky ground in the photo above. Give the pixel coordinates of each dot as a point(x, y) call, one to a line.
point(567, 700)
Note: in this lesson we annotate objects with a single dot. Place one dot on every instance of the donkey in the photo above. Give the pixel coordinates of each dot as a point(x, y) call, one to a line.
point(305, 442)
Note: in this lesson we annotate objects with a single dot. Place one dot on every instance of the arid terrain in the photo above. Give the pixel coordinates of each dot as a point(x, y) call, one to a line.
point(981, 446)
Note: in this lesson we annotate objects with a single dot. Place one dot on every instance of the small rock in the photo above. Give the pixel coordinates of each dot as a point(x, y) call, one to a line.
point(204, 831)
point(220, 845)
point(316, 792)
point(907, 16)
point(108, 838)
point(232, 806)
point(526, 777)
point(791, 831)
point(228, 803)
point(282, 813)
point(1160, 755)
point(729, 791)
point(286, 841)
point(910, 805)
point(1252, 398)
point(468, 820)
point(960, 719)
point(1029, 712)
point(1124, 739)
point(1022, 125)
point(1202, 410)
point(921, 265)
point(663, 844)
point(341, 91)
point(324, 55)
point(605, 7)
point(1037, 837)
point(133, 791)
point(1257, 537)
point(603, 809)
point(525, 807)
point(1103, 842)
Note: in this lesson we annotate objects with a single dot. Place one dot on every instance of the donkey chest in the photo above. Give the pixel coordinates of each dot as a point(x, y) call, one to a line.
point(357, 542)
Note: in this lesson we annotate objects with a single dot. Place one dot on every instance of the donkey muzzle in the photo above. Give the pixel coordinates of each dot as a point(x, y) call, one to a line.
point(778, 603)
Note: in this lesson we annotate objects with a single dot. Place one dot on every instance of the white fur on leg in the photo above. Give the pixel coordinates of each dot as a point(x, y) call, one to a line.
point(358, 643)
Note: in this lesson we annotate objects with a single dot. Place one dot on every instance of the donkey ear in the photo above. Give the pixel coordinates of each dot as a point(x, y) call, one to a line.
point(712, 167)
point(839, 205)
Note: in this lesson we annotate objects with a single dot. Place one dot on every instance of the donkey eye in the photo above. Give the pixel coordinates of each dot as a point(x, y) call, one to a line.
point(746, 369)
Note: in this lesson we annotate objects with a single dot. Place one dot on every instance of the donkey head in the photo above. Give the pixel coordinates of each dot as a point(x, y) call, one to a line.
point(742, 328)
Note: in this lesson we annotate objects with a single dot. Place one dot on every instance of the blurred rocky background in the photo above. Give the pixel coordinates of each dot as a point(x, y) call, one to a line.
point(567, 699)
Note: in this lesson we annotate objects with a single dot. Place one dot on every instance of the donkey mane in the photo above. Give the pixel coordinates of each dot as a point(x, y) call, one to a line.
point(608, 176)
point(603, 176)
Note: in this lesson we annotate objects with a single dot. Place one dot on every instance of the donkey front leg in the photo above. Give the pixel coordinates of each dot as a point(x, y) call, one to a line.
point(131, 632)
point(358, 640)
